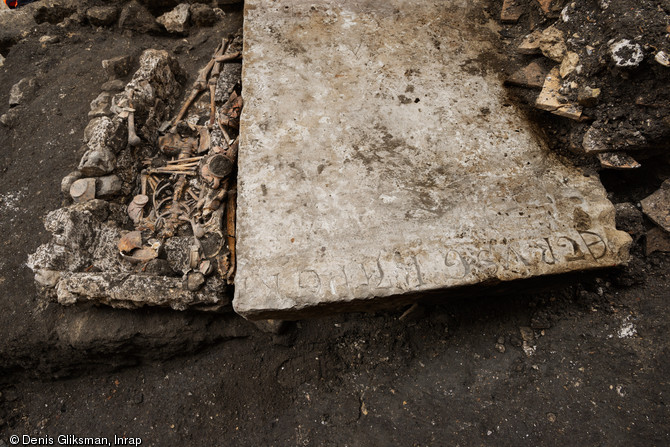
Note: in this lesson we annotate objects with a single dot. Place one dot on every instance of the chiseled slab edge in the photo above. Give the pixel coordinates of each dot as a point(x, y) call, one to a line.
point(295, 257)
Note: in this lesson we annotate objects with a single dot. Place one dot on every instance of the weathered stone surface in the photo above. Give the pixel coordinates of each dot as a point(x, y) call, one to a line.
point(21, 91)
point(115, 85)
point(176, 21)
point(80, 240)
point(2, 60)
point(657, 206)
point(15, 24)
point(203, 15)
point(154, 81)
point(97, 162)
point(532, 75)
point(130, 291)
point(588, 97)
point(118, 66)
point(68, 180)
point(107, 186)
point(511, 11)
point(531, 43)
point(230, 73)
point(552, 44)
point(12, 117)
point(104, 132)
point(100, 105)
point(617, 160)
point(372, 167)
point(551, 100)
point(598, 140)
point(136, 17)
point(569, 64)
point(102, 15)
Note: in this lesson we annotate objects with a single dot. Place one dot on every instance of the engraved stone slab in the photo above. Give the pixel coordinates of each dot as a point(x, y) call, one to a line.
point(380, 160)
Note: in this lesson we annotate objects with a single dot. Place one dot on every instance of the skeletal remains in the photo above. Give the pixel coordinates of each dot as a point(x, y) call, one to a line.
point(189, 186)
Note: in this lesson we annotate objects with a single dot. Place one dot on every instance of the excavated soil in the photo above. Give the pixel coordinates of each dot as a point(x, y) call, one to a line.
point(582, 362)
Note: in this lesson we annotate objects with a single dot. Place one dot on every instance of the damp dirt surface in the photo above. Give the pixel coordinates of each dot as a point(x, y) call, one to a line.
point(583, 361)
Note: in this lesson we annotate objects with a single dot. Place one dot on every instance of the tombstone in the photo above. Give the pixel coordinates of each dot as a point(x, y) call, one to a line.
point(379, 161)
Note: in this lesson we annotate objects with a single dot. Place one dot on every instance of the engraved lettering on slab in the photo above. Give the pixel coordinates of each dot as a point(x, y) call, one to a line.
point(595, 244)
point(487, 262)
point(309, 281)
point(457, 266)
point(575, 253)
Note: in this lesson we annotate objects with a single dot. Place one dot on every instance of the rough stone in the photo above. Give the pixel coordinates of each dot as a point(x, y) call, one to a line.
point(511, 11)
point(531, 43)
point(177, 250)
point(97, 162)
point(105, 132)
point(100, 106)
point(136, 17)
point(532, 76)
point(657, 206)
point(358, 187)
point(22, 91)
point(130, 291)
point(569, 64)
point(118, 67)
point(588, 97)
point(80, 239)
point(107, 186)
point(102, 15)
point(47, 278)
point(203, 15)
point(617, 160)
point(68, 180)
point(11, 118)
point(194, 281)
point(115, 85)
point(551, 100)
point(156, 79)
point(598, 140)
point(15, 24)
point(176, 21)
point(552, 44)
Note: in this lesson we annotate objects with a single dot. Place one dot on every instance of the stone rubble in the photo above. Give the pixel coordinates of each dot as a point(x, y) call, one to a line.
point(83, 261)
point(657, 206)
point(102, 15)
point(22, 91)
point(531, 76)
point(617, 160)
point(550, 99)
point(176, 21)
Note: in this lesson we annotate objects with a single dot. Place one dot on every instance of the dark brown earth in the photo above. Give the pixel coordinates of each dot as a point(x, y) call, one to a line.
point(584, 362)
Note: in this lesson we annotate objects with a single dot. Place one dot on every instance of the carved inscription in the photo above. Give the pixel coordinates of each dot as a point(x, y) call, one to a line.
point(465, 263)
